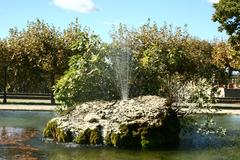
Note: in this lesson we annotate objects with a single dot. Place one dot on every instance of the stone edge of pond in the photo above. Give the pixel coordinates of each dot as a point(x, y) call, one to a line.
point(26, 107)
point(224, 108)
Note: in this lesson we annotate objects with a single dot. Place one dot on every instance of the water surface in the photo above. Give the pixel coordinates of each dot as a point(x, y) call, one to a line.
point(21, 139)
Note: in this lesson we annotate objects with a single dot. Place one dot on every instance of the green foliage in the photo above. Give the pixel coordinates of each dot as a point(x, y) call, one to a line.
point(157, 55)
point(193, 97)
point(89, 75)
point(107, 139)
point(225, 58)
point(196, 95)
point(36, 53)
point(160, 52)
point(228, 15)
point(50, 129)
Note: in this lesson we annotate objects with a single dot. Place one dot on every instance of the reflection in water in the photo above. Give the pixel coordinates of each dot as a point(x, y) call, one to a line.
point(13, 146)
point(19, 142)
point(20, 134)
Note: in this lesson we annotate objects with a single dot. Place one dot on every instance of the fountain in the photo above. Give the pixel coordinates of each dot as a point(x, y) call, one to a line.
point(121, 65)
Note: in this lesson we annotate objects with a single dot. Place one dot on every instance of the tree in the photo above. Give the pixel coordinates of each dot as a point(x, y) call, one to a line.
point(227, 13)
point(158, 53)
point(38, 54)
point(225, 57)
point(89, 74)
point(4, 61)
point(33, 55)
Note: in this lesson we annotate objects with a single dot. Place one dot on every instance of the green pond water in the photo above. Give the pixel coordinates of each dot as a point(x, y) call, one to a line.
point(21, 139)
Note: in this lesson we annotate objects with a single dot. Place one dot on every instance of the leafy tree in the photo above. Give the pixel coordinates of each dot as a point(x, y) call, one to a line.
point(158, 53)
point(3, 61)
point(228, 15)
point(38, 54)
point(225, 57)
point(89, 75)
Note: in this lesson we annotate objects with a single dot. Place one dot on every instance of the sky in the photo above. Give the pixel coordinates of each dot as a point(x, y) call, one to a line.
point(101, 15)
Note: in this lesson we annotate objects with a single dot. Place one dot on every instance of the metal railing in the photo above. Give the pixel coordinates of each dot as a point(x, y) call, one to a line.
point(40, 96)
point(26, 96)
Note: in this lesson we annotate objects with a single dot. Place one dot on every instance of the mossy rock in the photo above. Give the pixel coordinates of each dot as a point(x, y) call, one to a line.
point(52, 131)
point(89, 136)
point(146, 144)
point(96, 136)
point(151, 137)
point(115, 139)
point(164, 135)
point(107, 139)
point(130, 136)
point(83, 138)
point(147, 136)
point(134, 135)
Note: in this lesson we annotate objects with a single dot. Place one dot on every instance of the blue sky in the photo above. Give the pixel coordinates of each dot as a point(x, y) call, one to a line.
point(99, 15)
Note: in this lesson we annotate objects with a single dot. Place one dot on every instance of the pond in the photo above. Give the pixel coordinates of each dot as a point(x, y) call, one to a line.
point(21, 139)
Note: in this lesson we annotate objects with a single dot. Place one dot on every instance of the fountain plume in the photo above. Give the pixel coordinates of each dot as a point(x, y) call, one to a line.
point(121, 65)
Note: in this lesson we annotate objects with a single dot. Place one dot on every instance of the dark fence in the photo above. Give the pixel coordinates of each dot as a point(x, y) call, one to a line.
point(26, 96)
point(34, 86)
point(40, 96)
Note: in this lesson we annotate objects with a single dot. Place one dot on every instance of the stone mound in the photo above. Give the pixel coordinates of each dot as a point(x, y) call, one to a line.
point(140, 122)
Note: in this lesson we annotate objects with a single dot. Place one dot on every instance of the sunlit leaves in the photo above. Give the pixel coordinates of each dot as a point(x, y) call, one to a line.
point(89, 76)
point(36, 52)
point(161, 51)
point(227, 13)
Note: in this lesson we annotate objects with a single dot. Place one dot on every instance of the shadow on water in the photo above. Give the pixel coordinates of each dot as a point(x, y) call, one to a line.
point(201, 142)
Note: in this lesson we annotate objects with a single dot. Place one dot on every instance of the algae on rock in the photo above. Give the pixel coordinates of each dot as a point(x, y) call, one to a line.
point(53, 131)
point(143, 122)
point(93, 137)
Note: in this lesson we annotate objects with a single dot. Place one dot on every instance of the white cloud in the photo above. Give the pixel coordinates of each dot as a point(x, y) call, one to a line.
point(83, 6)
point(213, 1)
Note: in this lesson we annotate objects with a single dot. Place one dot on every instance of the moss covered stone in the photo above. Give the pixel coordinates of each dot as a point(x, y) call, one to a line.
point(96, 136)
point(164, 135)
point(83, 137)
point(129, 136)
point(52, 131)
point(107, 139)
point(115, 139)
point(147, 136)
point(126, 124)
point(93, 137)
